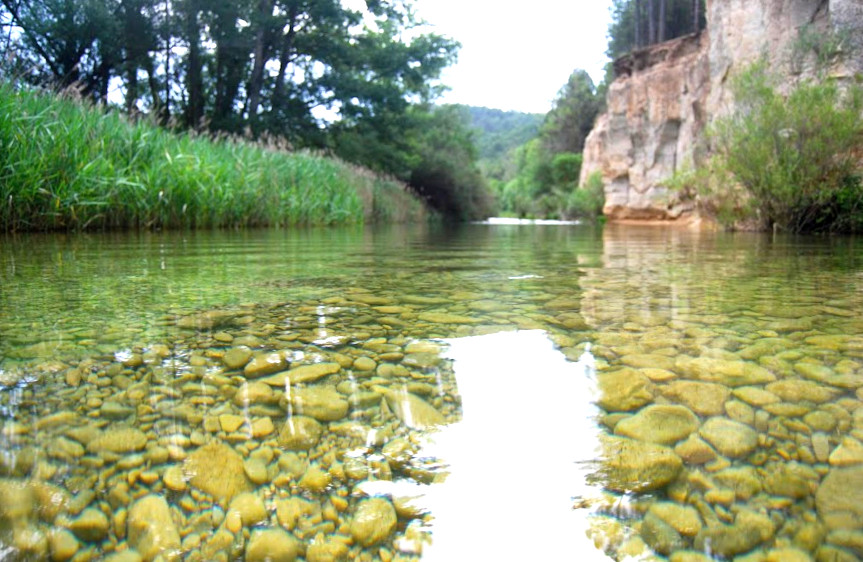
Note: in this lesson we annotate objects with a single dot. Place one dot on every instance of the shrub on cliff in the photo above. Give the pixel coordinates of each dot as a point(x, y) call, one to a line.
point(797, 156)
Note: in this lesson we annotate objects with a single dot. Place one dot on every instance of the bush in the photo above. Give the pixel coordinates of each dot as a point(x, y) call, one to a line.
point(587, 201)
point(797, 157)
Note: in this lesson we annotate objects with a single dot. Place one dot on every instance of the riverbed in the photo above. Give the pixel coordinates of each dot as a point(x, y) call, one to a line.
point(493, 391)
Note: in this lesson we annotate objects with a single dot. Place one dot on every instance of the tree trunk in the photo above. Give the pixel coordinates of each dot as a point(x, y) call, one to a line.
point(194, 113)
point(696, 15)
point(261, 55)
point(285, 56)
point(651, 23)
point(637, 18)
point(661, 21)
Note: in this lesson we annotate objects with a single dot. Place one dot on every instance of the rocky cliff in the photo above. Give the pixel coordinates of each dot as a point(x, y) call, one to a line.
point(664, 96)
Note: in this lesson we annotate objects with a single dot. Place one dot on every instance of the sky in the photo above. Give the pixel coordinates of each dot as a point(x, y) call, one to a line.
point(517, 56)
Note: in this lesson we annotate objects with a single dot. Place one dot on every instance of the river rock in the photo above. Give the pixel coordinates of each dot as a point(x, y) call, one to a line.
point(849, 452)
point(327, 550)
point(660, 536)
point(255, 392)
point(411, 410)
point(151, 531)
point(114, 410)
point(322, 402)
point(120, 440)
point(630, 465)
point(300, 433)
point(237, 357)
point(755, 396)
point(732, 439)
point(265, 364)
point(683, 518)
point(839, 499)
point(694, 450)
point(250, 508)
point(722, 371)
point(446, 318)
point(91, 525)
point(797, 390)
point(373, 521)
point(62, 545)
point(660, 423)
point(217, 470)
point(744, 481)
point(791, 480)
point(728, 541)
point(272, 545)
point(623, 390)
point(703, 398)
point(302, 374)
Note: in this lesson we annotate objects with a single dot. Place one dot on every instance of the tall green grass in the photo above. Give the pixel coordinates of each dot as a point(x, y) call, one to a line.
point(64, 165)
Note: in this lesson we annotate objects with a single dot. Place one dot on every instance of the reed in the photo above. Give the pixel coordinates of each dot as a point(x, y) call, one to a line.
point(68, 166)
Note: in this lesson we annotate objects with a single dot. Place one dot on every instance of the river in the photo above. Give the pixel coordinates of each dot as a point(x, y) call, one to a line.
point(492, 391)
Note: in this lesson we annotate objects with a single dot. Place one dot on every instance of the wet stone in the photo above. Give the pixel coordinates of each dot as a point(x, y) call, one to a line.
point(684, 519)
point(151, 531)
point(322, 402)
point(272, 545)
point(729, 373)
point(839, 498)
point(120, 440)
point(300, 433)
point(373, 521)
point(703, 398)
point(91, 525)
point(115, 411)
point(796, 390)
point(623, 390)
point(732, 439)
point(250, 507)
point(217, 470)
point(660, 536)
point(629, 465)
point(849, 452)
point(265, 364)
point(662, 424)
point(237, 357)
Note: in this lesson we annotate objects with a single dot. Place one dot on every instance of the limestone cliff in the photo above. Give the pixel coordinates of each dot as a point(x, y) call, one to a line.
point(664, 96)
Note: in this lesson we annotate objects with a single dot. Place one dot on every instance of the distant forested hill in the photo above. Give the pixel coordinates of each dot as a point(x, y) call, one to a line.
point(500, 131)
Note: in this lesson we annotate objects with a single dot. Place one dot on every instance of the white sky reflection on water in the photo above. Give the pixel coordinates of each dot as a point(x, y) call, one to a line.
point(528, 419)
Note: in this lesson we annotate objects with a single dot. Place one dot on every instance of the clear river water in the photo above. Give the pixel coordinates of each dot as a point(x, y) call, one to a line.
point(487, 392)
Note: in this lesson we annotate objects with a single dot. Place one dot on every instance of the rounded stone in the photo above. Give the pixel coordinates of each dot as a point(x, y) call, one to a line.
point(151, 530)
point(300, 433)
point(272, 545)
point(322, 402)
point(662, 424)
point(732, 439)
point(250, 507)
point(91, 525)
point(62, 545)
point(256, 470)
point(630, 465)
point(839, 499)
point(703, 398)
point(373, 521)
point(623, 390)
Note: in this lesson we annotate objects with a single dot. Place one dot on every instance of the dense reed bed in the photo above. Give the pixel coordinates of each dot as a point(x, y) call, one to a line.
point(67, 166)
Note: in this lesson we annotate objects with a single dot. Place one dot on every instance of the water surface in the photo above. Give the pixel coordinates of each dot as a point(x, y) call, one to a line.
point(546, 391)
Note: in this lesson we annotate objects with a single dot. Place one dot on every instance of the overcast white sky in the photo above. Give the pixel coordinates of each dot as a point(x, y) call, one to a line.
point(517, 55)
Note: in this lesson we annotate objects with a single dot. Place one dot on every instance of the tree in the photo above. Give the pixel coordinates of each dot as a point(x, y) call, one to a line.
point(632, 28)
point(572, 115)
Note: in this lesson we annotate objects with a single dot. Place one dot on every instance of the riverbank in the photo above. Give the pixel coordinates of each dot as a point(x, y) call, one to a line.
point(68, 166)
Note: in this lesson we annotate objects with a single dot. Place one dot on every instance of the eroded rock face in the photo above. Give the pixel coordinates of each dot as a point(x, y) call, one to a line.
point(665, 95)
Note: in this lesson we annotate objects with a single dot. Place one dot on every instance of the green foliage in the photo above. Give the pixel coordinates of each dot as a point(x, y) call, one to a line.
point(67, 166)
point(586, 202)
point(317, 73)
point(498, 131)
point(446, 173)
point(547, 168)
point(797, 156)
point(824, 45)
